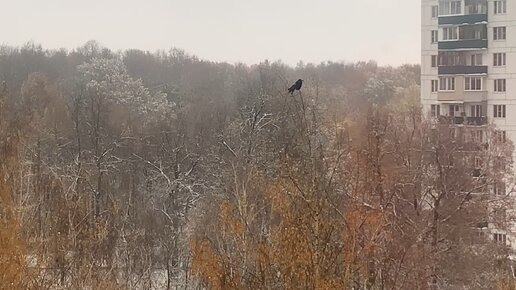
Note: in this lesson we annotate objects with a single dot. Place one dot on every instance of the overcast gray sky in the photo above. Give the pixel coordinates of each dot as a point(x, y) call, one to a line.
point(250, 31)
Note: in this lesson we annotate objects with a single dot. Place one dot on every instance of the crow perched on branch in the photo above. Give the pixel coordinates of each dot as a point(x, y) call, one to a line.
point(296, 87)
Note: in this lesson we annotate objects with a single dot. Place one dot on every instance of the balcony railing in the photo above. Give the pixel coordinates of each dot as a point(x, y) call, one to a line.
point(472, 121)
point(451, 120)
point(462, 19)
point(462, 69)
point(463, 44)
point(476, 121)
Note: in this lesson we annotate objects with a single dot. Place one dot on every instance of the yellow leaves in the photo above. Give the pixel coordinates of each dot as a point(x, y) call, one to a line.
point(362, 237)
point(12, 255)
point(101, 229)
point(279, 194)
point(232, 224)
point(506, 283)
point(206, 263)
point(301, 243)
point(12, 247)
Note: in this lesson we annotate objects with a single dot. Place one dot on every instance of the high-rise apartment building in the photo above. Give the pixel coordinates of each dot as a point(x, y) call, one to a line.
point(468, 65)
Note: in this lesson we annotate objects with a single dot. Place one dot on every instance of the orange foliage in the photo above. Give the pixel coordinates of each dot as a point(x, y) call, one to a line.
point(12, 247)
point(299, 252)
point(207, 264)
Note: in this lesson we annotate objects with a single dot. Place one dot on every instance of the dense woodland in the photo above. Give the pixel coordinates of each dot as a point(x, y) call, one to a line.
point(138, 170)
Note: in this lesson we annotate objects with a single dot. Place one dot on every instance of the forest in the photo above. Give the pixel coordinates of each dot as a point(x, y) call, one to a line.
point(161, 170)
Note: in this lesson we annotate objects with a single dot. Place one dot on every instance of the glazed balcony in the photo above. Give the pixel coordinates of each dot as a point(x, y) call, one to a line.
point(461, 62)
point(466, 12)
point(463, 37)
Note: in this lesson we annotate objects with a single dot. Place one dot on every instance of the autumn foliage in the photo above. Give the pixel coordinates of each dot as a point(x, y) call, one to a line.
point(347, 207)
point(139, 170)
point(13, 253)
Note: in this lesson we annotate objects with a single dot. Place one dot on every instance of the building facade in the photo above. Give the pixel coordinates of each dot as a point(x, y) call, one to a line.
point(468, 66)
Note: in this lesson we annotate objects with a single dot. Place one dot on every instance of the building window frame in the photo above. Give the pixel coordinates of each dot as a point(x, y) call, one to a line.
point(499, 59)
point(499, 111)
point(452, 7)
point(434, 84)
point(500, 85)
point(477, 59)
point(500, 33)
point(433, 61)
point(473, 83)
point(454, 111)
point(435, 110)
point(478, 137)
point(500, 188)
point(434, 36)
point(435, 11)
point(476, 111)
point(447, 84)
point(500, 238)
point(500, 7)
point(450, 33)
point(500, 136)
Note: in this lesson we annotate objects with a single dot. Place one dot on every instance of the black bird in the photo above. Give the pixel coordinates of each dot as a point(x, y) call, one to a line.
point(296, 87)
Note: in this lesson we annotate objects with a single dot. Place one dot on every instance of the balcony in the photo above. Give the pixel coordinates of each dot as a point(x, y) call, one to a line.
point(470, 121)
point(460, 95)
point(462, 69)
point(463, 37)
point(462, 19)
point(463, 44)
point(451, 120)
point(476, 121)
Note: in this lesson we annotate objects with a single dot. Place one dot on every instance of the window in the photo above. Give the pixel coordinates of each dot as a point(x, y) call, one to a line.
point(500, 136)
point(450, 58)
point(453, 133)
point(476, 111)
point(500, 7)
point(499, 33)
point(434, 60)
point(435, 11)
point(479, 163)
point(473, 84)
point(451, 33)
point(476, 59)
point(499, 163)
point(478, 137)
point(450, 8)
point(500, 238)
point(500, 215)
point(499, 188)
point(435, 86)
point(455, 7)
point(447, 84)
point(499, 59)
point(466, 138)
point(499, 85)
point(499, 111)
point(454, 110)
point(435, 110)
point(435, 36)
